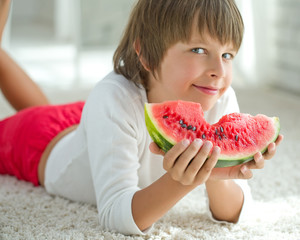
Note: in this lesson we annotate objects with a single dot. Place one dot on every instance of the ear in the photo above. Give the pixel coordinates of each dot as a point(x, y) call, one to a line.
point(137, 48)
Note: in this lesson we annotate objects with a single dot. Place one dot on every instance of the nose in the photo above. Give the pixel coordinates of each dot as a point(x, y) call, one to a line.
point(216, 68)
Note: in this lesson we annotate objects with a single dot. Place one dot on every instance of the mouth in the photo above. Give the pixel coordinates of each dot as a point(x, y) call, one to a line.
point(207, 90)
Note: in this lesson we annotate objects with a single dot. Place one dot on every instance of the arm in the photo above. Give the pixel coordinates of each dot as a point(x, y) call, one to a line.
point(151, 203)
point(225, 199)
point(186, 167)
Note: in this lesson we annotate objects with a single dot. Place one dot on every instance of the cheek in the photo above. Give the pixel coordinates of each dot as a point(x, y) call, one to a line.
point(229, 75)
point(189, 68)
point(179, 66)
point(182, 74)
point(228, 80)
point(175, 73)
point(226, 84)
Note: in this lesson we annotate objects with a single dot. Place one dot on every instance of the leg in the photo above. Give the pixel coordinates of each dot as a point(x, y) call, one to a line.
point(18, 88)
point(25, 155)
point(4, 10)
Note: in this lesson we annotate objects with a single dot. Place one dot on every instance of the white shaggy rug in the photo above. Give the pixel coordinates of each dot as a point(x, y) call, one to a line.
point(28, 212)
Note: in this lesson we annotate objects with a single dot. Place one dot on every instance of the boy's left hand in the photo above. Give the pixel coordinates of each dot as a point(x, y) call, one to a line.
point(243, 171)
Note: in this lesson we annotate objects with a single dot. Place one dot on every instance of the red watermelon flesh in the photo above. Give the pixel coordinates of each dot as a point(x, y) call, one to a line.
point(238, 135)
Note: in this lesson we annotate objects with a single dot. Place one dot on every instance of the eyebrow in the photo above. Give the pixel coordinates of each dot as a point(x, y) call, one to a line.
point(205, 42)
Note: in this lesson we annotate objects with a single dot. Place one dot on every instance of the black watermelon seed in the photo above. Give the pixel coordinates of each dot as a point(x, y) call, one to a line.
point(181, 122)
point(220, 137)
point(194, 129)
point(217, 131)
point(236, 137)
point(189, 127)
point(203, 136)
point(221, 128)
point(183, 125)
point(165, 117)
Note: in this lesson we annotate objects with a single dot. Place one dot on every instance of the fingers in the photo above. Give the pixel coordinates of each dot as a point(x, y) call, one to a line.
point(205, 169)
point(199, 163)
point(191, 164)
point(191, 161)
point(156, 149)
point(279, 139)
point(187, 156)
point(257, 163)
point(270, 151)
point(194, 163)
point(259, 159)
point(172, 155)
point(245, 172)
point(272, 148)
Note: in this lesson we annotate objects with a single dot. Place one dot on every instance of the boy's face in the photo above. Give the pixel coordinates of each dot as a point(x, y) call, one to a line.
point(198, 71)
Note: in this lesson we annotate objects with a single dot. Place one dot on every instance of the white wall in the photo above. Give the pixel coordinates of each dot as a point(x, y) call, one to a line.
point(271, 48)
point(253, 62)
point(38, 10)
point(286, 59)
point(103, 21)
point(98, 22)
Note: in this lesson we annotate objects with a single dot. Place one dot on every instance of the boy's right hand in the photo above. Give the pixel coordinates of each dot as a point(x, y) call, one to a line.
point(187, 162)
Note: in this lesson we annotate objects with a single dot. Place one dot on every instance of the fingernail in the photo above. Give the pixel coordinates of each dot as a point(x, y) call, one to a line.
point(244, 170)
point(198, 141)
point(208, 144)
point(218, 150)
point(185, 142)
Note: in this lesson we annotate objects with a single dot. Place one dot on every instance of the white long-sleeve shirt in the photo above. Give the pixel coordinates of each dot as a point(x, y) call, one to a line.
point(107, 158)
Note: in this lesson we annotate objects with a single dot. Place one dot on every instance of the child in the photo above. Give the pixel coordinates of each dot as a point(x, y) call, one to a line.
point(171, 50)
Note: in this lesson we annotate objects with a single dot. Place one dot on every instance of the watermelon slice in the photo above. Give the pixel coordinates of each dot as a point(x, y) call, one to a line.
point(238, 135)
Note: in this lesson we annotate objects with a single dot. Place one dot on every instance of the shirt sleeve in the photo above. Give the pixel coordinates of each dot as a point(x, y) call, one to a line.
point(228, 104)
point(111, 132)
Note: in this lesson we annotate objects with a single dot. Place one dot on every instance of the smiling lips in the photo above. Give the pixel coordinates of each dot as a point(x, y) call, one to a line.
point(207, 90)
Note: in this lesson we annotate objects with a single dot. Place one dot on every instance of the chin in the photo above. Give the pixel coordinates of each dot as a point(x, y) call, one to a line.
point(207, 106)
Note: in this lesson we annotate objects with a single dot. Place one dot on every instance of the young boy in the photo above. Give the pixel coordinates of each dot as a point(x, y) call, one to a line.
point(171, 50)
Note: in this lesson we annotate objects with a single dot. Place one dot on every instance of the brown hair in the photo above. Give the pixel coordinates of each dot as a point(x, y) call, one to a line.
point(158, 24)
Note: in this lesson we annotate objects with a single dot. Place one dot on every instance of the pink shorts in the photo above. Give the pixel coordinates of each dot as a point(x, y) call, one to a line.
point(25, 135)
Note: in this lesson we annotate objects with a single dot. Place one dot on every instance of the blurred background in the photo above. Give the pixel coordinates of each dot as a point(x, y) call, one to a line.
point(65, 44)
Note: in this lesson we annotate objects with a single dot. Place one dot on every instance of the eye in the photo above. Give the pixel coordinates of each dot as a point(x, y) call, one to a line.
point(228, 56)
point(198, 50)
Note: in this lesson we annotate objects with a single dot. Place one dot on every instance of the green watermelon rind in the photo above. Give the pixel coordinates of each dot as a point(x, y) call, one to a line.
point(224, 161)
